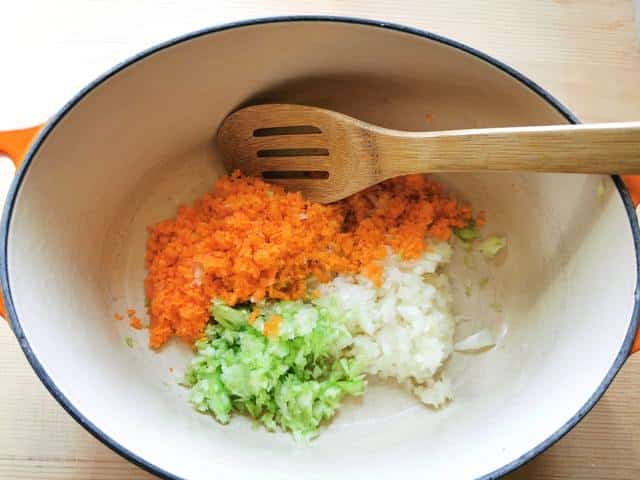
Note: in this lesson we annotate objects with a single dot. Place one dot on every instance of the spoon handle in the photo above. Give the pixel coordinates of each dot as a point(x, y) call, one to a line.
point(593, 148)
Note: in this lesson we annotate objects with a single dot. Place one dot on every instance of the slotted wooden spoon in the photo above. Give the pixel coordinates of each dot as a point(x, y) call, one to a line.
point(328, 156)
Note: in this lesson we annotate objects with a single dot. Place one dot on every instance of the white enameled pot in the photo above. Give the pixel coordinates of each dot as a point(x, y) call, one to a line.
point(139, 141)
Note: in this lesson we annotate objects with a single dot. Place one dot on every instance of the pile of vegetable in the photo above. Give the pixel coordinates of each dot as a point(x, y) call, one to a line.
point(284, 363)
point(267, 346)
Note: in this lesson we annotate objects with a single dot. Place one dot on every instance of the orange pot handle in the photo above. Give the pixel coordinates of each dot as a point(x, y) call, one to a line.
point(633, 185)
point(15, 144)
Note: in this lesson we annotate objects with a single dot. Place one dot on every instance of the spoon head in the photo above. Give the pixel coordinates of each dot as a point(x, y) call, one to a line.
point(315, 151)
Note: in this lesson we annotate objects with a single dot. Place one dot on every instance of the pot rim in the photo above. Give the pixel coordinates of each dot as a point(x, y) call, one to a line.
point(113, 444)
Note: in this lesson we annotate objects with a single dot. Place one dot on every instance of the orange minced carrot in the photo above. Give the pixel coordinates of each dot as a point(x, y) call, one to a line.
point(136, 323)
point(481, 219)
point(117, 316)
point(248, 240)
point(253, 316)
point(272, 326)
point(130, 312)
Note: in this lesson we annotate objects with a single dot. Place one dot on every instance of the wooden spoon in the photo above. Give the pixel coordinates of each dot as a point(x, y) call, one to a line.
point(328, 156)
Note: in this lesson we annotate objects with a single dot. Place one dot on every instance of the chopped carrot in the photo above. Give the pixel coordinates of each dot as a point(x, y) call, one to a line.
point(136, 323)
point(253, 316)
point(480, 219)
point(131, 312)
point(272, 326)
point(117, 316)
point(248, 240)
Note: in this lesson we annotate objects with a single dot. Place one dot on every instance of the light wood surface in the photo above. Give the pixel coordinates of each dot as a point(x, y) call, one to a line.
point(585, 52)
point(328, 155)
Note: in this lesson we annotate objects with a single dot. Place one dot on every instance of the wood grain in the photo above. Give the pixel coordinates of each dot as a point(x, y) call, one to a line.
point(584, 51)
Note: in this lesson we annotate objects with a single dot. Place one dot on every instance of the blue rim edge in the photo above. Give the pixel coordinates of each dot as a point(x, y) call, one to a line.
point(114, 445)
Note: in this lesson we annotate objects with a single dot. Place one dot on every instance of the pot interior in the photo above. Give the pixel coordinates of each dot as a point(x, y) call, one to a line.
point(142, 142)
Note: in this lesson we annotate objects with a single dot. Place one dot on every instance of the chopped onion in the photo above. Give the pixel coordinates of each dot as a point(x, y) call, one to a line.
point(477, 341)
point(198, 271)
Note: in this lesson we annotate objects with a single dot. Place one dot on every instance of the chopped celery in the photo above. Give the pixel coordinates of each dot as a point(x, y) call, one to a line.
point(492, 245)
point(495, 306)
point(468, 233)
point(294, 380)
point(228, 316)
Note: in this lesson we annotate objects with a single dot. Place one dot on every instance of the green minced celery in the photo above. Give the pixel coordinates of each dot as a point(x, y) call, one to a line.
point(295, 380)
point(495, 306)
point(492, 245)
point(468, 233)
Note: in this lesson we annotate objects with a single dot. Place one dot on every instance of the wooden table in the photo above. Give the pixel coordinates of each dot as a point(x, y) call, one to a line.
point(586, 52)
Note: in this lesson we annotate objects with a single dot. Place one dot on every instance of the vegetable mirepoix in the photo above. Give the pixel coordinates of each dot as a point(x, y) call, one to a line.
point(293, 378)
point(250, 241)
